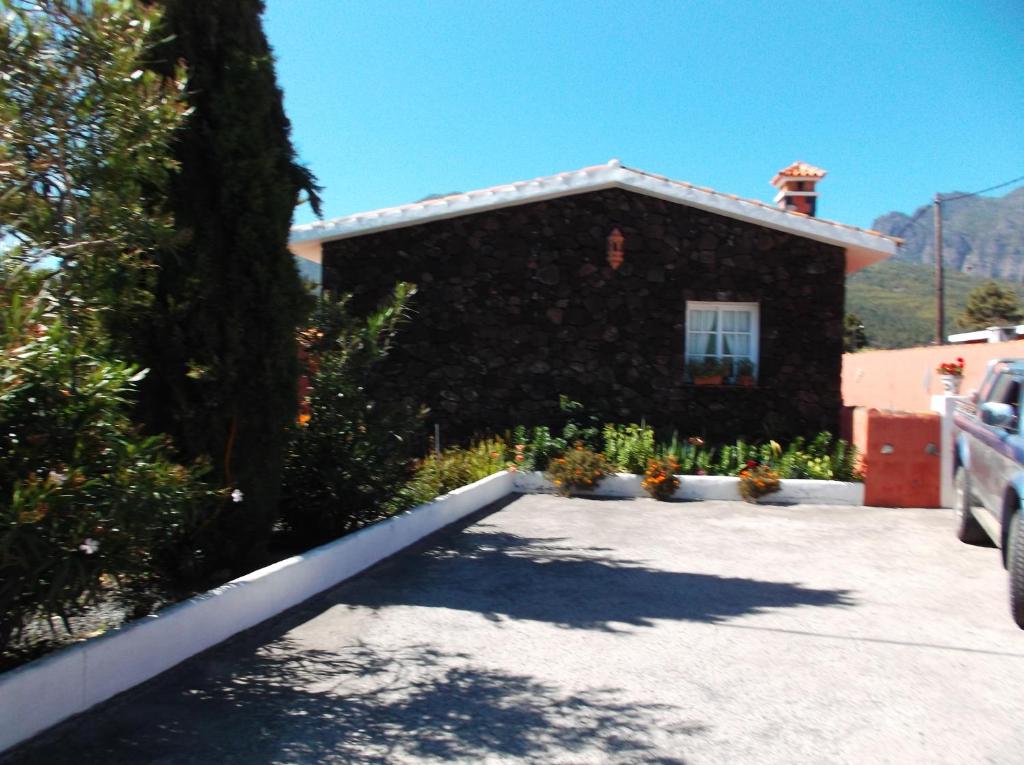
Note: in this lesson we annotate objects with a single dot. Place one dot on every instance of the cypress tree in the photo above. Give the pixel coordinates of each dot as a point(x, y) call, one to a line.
point(221, 346)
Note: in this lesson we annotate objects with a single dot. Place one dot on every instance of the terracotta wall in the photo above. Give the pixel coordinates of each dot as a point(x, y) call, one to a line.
point(905, 379)
point(900, 454)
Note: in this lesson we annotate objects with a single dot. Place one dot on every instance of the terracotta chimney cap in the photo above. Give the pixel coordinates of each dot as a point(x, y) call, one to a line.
point(799, 169)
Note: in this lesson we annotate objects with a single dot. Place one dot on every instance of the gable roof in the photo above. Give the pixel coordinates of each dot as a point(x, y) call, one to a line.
point(863, 247)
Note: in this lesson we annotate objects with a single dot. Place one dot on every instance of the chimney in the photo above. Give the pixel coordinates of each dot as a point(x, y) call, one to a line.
point(796, 187)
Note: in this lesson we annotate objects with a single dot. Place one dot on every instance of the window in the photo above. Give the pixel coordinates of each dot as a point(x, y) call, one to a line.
point(1006, 390)
point(725, 332)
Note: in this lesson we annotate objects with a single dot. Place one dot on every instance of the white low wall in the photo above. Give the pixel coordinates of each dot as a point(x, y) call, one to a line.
point(697, 487)
point(44, 692)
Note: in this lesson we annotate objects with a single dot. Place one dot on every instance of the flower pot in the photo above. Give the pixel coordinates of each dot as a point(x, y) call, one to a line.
point(709, 380)
point(951, 384)
point(745, 380)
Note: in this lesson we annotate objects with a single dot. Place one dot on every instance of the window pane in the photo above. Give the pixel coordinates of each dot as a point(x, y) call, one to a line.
point(736, 344)
point(703, 321)
point(735, 321)
point(702, 344)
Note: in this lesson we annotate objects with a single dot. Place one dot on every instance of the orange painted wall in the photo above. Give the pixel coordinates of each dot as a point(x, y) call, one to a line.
point(900, 457)
point(905, 379)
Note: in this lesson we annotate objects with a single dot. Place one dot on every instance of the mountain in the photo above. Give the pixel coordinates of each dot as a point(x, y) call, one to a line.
point(896, 301)
point(982, 236)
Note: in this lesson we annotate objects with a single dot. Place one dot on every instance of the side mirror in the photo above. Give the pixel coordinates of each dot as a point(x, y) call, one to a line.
point(997, 415)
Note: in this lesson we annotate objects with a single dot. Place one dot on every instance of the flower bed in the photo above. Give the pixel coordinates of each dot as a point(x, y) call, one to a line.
point(692, 487)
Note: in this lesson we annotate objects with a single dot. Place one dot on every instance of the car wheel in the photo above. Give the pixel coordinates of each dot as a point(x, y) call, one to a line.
point(967, 527)
point(1015, 565)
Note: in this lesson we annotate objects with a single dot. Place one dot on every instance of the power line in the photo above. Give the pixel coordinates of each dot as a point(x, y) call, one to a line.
point(912, 221)
point(983, 191)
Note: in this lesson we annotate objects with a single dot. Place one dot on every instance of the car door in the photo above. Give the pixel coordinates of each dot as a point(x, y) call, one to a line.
point(993, 451)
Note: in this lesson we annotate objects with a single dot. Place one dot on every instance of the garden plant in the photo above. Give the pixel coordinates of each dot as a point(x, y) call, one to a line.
point(89, 506)
point(579, 469)
point(660, 480)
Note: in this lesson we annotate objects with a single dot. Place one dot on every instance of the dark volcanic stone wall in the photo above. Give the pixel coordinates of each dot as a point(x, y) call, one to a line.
point(518, 305)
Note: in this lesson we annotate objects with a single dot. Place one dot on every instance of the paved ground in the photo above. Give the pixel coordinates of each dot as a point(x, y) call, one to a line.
point(578, 630)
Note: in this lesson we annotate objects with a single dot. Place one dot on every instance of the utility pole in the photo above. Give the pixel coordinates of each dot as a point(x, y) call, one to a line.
point(940, 311)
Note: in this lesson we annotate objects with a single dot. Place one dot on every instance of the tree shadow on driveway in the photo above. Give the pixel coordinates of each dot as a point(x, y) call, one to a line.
point(507, 576)
point(285, 703)
point(269, 697)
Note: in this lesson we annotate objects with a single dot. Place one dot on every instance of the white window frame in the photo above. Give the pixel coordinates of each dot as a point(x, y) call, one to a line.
point(755, 329)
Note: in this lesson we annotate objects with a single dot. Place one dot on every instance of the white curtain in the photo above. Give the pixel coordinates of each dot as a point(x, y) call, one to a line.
point(703, 332)
point(736, 334)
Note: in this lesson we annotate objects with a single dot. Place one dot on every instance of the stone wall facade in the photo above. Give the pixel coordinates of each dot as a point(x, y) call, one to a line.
point(518, 305)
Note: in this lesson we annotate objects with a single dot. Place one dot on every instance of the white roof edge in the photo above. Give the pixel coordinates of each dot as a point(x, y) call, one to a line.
point(863, 246)
point(989, 334)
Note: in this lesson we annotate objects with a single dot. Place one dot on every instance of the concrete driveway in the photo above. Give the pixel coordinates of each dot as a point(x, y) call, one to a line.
point(571, 630)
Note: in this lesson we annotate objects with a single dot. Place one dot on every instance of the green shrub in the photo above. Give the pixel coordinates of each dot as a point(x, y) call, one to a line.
point(578, 469)
point(438, 474)
point(823, 457)
point(539, 447)
point(581, 427)
point(454, 467)
point(349, 455)
point(629, 448)
point(88, 506)
point(533, 448)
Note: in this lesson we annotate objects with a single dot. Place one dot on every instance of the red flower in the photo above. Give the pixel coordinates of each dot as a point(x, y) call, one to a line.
point(751, 463)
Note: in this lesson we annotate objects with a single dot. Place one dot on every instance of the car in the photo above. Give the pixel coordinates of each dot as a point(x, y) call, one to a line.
point(989, 471)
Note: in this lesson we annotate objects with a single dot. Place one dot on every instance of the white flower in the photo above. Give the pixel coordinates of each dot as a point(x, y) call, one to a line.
point(89, 546)
point(57, 478)
point(237, 496)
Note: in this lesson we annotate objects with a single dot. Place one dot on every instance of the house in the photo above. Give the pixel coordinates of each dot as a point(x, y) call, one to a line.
point(610, 285)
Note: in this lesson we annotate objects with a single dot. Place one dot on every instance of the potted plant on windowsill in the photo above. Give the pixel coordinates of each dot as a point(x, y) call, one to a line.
point(707, 371)
point(745, 373)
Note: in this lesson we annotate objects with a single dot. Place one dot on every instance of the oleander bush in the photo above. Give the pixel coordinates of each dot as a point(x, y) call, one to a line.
point(89, 507)
point(349, 454)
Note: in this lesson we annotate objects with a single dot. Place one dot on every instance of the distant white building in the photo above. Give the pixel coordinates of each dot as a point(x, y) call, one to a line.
point(990, 335)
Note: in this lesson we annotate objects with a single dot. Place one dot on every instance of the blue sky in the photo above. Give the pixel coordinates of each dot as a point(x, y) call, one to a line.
point(391, 101)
